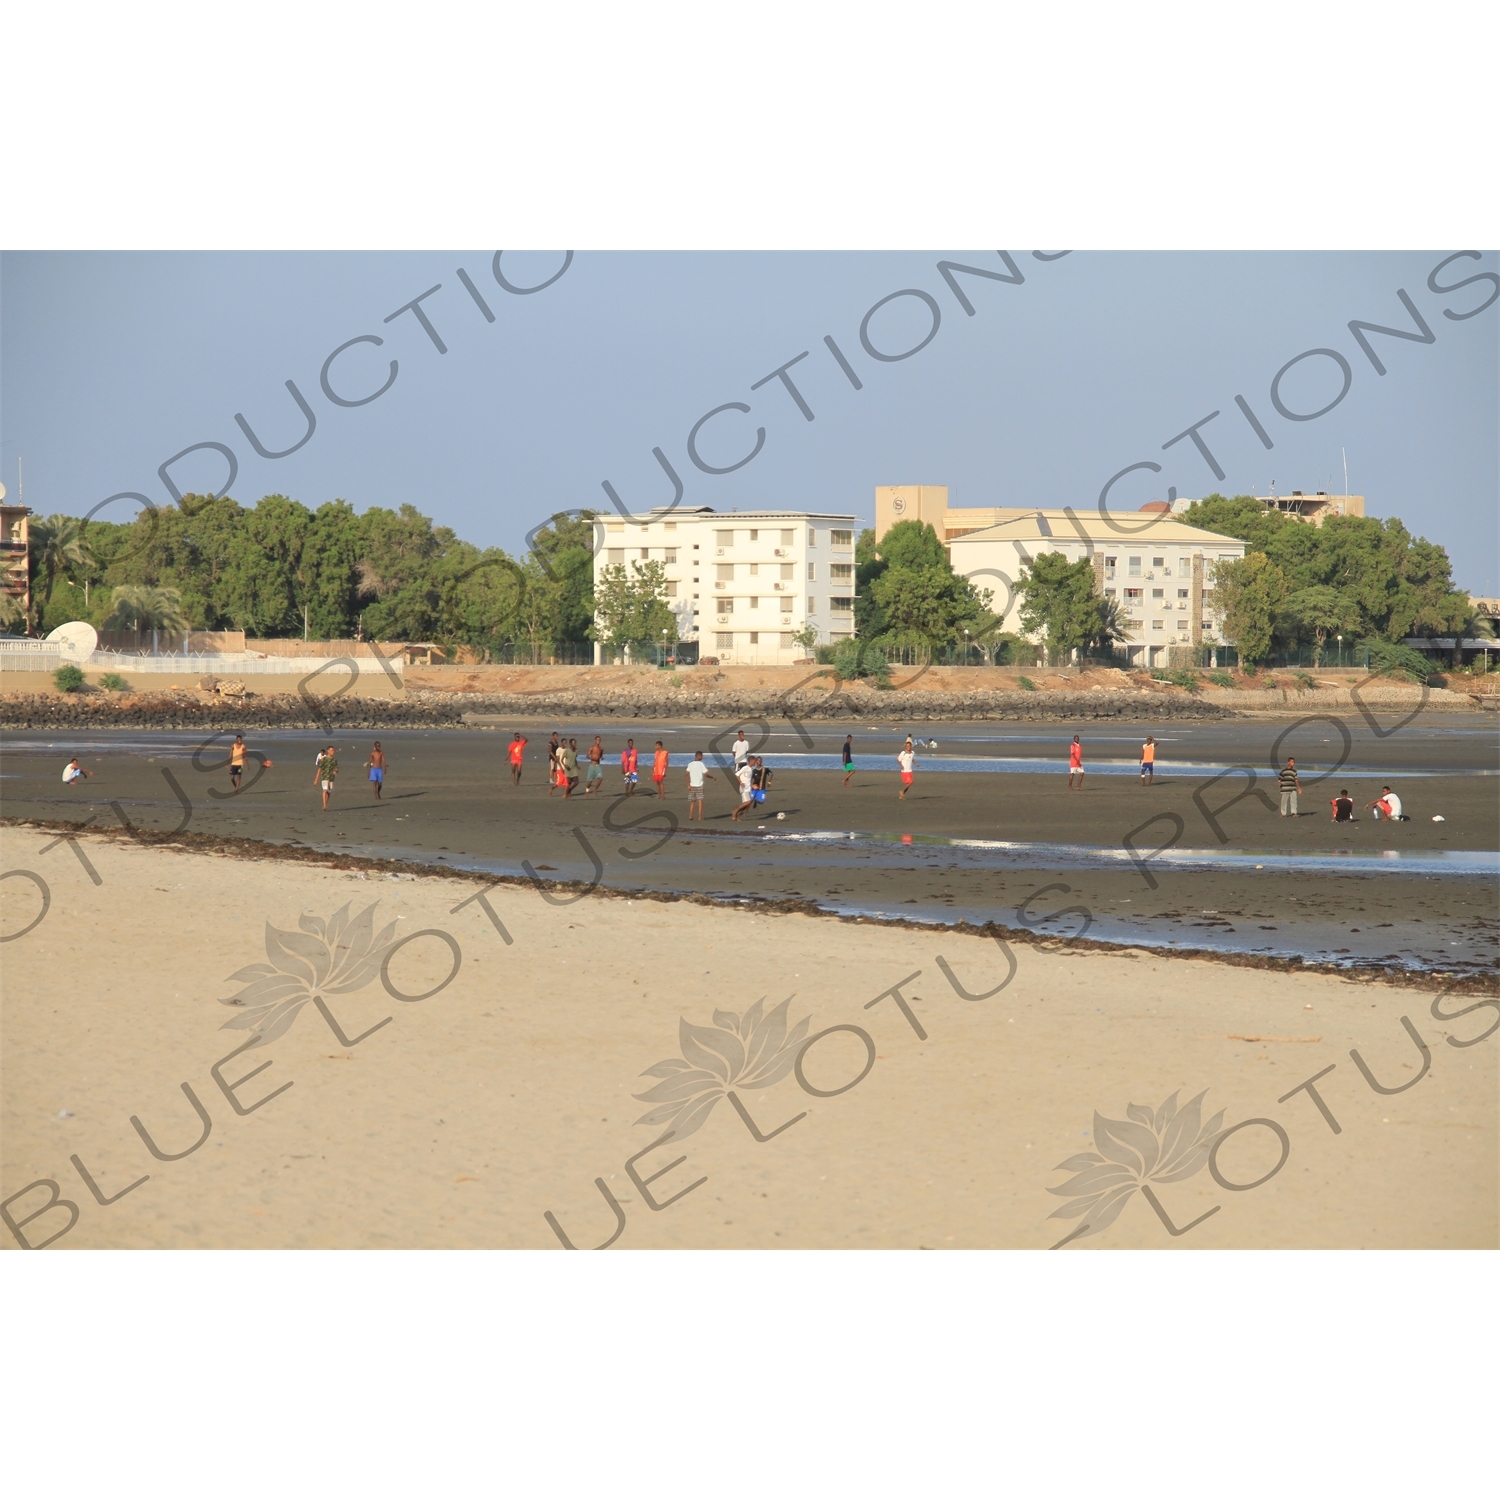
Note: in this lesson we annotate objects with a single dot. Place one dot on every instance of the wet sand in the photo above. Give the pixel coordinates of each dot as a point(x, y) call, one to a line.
point(449, 799)
point(512, 1091)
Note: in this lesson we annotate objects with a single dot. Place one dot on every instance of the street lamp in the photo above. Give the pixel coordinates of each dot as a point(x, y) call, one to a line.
point(1340, 640)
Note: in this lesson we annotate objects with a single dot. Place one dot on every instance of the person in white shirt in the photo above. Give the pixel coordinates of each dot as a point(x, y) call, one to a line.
point(74, 772)
point(907, 760)
point(696, 773)
point(741, 751)
point(1387, 803)
point(745, 775)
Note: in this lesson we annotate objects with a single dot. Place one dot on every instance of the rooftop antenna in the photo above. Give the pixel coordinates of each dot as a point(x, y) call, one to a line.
point(1345, 457)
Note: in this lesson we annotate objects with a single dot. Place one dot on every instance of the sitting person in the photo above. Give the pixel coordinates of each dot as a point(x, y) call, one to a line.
point(1387, 805)
point(74, 772)
point(1343, 807)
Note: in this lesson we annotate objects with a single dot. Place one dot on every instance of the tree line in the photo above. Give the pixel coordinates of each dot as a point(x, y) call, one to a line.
point(280, 569)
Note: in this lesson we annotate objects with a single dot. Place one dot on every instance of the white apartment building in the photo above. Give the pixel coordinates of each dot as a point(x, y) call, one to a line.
point(1158, 568)
point(743, 583)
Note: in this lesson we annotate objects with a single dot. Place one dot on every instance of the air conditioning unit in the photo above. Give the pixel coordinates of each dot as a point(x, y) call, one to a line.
point(778, 586)
point(781, 552)
point(721, 585)
point(718, 552)
point(725, 619)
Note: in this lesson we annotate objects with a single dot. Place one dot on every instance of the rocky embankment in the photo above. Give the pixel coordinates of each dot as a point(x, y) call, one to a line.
point(433, 710)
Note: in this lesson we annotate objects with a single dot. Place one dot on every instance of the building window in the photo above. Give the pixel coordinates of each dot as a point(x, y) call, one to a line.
point(755, 570)
point(695, 546)
point(724, 572)
point(1109, 593)
point(671, 588)
point(669, 526)
point(1158, 562)
point(1135, 567)
point(1156, 624)
point(1132, 596)
point(1109, 562)
point(755, 601)
point(812, 604)
point(645, 554)
point(724, 639)
point(755, 536)
point(840, 571)
point(786, 606)
point(614, 526)
point(786, 638)
point(1158, 593)
point(671, 554)
point(724, 606)
point(754, 636)
point(1182, 595)
point(841, 605)
point(723, 539)
point(617, 557)
point(840, 538)
point(812, 571)
point(786, 570)
point(812, 537)
point(788, 538)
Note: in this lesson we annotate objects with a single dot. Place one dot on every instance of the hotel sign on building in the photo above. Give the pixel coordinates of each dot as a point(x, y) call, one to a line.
point(1160, 571)
point(743, 584)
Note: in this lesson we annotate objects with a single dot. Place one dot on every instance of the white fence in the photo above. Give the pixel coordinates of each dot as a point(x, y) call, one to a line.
point(27, 655)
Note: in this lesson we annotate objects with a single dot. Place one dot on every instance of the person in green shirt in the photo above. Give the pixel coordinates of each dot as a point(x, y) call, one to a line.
point(328, 768)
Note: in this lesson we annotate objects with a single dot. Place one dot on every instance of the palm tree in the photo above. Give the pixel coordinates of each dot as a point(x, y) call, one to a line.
point(142, 607)
point(58, 544)
point(1114, 623)
point(1473, 624)
point(12, 611)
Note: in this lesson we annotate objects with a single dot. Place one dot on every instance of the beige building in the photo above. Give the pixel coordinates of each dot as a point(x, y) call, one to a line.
point(742, 584)
point(929, 503)
point(1158, 569)
point(15, 551)
point(1314, 508)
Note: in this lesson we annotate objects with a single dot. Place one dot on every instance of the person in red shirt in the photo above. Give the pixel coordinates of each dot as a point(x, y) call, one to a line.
point(1075, 763)
point(659, 770)
point(517, 750)
point(629, 763)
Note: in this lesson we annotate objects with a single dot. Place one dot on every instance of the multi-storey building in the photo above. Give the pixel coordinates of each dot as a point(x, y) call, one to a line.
point(1157, 568)
point(743, 584)
point(15, 549)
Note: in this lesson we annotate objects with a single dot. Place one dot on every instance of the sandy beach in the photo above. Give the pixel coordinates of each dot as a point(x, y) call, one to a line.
point(925, 1117)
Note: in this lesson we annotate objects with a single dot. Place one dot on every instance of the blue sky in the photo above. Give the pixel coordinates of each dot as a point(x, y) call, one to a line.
point(110, 363)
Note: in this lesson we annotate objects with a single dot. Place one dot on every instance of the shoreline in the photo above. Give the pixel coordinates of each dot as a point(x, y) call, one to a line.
point(230, 847)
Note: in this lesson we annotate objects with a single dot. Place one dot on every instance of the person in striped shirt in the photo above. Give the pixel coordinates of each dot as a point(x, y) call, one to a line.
point(1290, 786)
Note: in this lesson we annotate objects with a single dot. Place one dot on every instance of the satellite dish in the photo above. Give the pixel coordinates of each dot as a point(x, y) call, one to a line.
point(77, 639)
point(2, 492)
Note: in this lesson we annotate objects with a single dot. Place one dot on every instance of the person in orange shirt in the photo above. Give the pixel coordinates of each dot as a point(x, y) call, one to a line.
point(659, 770)
point(1148, 761)
point(629, 761)
point(517, 750)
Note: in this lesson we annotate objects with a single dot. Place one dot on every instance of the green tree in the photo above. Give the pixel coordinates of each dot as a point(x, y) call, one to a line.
point(1248, 594)
point(1320, 611)
point(913, 596)
point(565, 549)
point(1057, 597)
point(58, 545)
point(631, 609)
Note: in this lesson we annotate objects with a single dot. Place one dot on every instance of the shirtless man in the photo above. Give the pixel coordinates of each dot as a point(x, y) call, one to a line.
point(376, 764)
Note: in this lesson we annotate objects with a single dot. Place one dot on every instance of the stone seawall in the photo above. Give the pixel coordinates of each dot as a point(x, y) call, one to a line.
point(429, 710)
